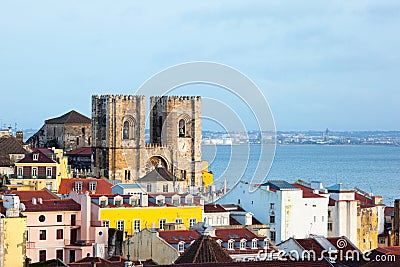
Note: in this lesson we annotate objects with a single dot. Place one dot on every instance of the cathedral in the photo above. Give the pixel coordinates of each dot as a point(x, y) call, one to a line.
point(120, 151)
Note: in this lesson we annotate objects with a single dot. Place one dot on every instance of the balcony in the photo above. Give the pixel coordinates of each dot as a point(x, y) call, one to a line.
point(30, 244)
point(25, 176)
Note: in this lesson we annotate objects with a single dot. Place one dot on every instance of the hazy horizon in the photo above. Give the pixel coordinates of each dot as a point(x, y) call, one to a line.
point(319, 64)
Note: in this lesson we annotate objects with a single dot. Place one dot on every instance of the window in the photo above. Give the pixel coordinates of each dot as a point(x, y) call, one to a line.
point(117, 203)
point(42, 218)
point(254, 243)
point(92, 186)
point(148, 187)
point(72, 255)
point(78, 186)
point(181, 246)
point(192, 222)
point(127, 175)
point(182, 128)
point(42, 235)
point(60, 254)
point(314, 206)
point(162, 223)
point(73, 219)
point(175, 201)
point(322, 218)
point(121, 225)
point(42, 255)
point(271, 206)
point(35, 157)
point(48, 172)
point(34, 172)
point(60, 234)
point(135, 202)
point(103, 203)
point(329, 213)
point(266, 243)
point(178, 221)
point(381, 240)
point(125, 131)
point(165, 188)
point(330, 226)
point(136, 226)
point(106, 223)
point(272, 219)
point(242, 244)
point(20, 172)
point(59, 218)
point(272, 235)
point(230, 244)
point(315, 218)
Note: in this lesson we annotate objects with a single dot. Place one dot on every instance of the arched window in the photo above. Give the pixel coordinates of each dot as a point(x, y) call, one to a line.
point(182, 128)
point(125, 130)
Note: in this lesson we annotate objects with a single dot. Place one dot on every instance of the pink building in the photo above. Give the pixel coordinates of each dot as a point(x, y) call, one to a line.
point(61, 228)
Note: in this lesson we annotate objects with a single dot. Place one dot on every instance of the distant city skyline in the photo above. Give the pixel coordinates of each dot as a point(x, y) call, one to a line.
point(319, 64)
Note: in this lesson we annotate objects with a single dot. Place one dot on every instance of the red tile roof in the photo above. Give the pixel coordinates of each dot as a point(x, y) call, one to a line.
point(103, 186)
point(176, 236)
point(209, 208)
point(307, 191)
point(27, 195)
point(275, 263)
point(235, 234)
point(43, 158)
point(70, 117)
point(85, 151)
point(52, 205)
point(389, 211)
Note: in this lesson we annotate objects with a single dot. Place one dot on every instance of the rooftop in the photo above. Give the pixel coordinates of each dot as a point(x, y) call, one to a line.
point(280, 185)
point(157, 175)
point(70, 117)
point(52, 205)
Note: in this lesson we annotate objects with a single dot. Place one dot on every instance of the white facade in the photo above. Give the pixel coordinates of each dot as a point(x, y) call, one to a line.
point(283, 207)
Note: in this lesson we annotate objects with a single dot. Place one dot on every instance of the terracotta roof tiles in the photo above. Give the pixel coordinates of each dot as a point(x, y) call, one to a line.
point(70, 117)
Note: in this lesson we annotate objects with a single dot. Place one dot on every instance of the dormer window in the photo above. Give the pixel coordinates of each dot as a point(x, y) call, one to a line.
point(219, 241)
point(243, 244)
point(254, 243)
point(36, 156)
point(176, 200)
point(92, 186)
point(103, 201)
point(181, 246)
point(189, 200)
point(78, 186)
point(134, 201)
point(160, 200)
point(266, 243)
point(118, 201)
point(230, 244)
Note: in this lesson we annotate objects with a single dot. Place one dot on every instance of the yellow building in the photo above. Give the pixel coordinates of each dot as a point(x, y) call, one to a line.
point(12, 234)
point(43, 168)
point(132, 214)
point(207, 176)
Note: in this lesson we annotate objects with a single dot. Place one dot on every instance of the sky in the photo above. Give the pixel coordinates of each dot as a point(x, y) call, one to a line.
point(319, 64)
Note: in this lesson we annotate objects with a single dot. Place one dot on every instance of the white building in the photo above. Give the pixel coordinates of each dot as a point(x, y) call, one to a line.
point(287, 209)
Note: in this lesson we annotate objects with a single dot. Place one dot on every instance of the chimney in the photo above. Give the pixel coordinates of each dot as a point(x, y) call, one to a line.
point(377, 200)
point(40, 200)
point(20, 136)
point(34, 200)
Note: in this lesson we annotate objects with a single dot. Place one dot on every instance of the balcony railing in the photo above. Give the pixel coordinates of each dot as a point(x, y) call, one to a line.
point(30, 244)
point(25, 176)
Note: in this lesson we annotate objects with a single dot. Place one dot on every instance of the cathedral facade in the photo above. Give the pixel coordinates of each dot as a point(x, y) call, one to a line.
point(118, 133)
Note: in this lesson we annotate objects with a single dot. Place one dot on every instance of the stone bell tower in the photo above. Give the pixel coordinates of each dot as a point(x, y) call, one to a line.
point(118, 128)
point(175, 122)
